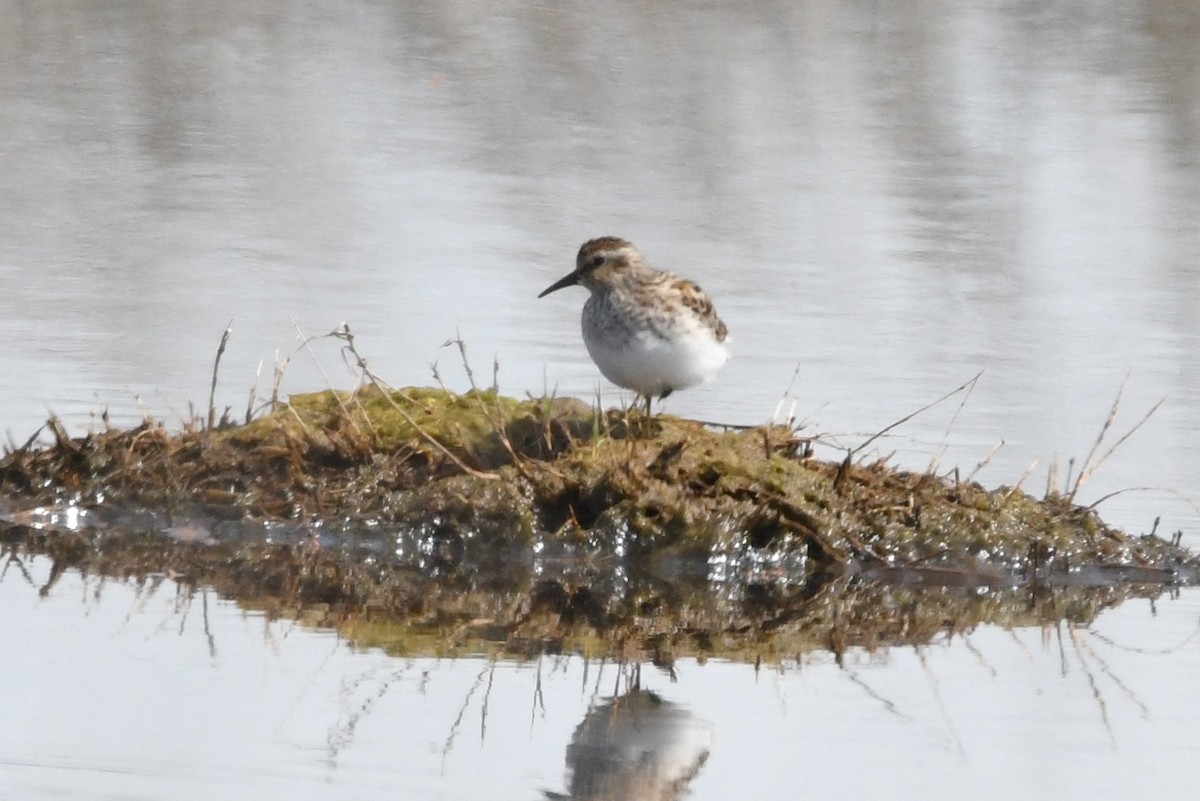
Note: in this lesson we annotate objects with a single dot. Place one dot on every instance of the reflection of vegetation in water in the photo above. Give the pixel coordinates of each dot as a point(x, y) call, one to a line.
point(525, 609)
point(624, 738)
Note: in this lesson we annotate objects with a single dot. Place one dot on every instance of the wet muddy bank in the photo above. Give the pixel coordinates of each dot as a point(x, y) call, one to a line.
point(424, 516)
point(559, 474)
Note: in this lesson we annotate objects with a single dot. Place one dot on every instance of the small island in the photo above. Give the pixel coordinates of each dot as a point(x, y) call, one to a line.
point(419, 518)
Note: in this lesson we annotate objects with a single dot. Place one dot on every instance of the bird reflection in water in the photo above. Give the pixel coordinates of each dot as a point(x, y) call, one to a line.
point(635, 747)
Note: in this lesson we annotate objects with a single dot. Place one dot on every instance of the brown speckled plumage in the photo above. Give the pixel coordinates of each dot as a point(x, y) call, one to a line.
point(623, 272)
point(647, 330)
point(693, 297)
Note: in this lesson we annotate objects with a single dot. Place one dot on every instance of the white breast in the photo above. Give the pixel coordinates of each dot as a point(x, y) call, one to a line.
point(651, 359)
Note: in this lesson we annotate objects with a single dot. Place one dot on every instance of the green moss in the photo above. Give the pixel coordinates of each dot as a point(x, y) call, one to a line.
point(487, 469)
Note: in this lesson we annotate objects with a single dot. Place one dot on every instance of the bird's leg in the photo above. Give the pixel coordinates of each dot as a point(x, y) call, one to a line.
point(662, 396)
point(632, 414)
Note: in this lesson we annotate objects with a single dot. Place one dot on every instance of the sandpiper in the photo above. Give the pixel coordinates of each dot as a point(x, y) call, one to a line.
point(647, 330)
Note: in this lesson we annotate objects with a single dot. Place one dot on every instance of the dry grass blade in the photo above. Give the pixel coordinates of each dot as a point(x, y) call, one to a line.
point(726, 426)
point(1108, 421)
point(253, 393)
point(212, 392)
point(303, 425)
point(358, 362)
point(280, 369)
point(1017, 487)
point(343, 333)
point(1088, 469)
point(29, 443)
point(941, 451)
point(787, 394)
point(1176, 493)
point(911, 415)
point(985, 460)
point(462, 352)
point(494, 416)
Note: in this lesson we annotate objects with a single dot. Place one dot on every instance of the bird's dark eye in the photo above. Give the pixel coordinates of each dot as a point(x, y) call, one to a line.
point(596, 261)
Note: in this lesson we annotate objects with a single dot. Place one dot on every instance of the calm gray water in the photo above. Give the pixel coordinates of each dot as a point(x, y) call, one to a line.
point(113, 690)
point(887, 198)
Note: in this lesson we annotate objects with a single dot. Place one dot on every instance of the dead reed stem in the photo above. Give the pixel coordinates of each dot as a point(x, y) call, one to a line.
point(493, 415)
point(212, 391)
point(985, 460)
point(936, 461)
point(911, 415)
point(1017, 487)
point(1088, 469)
point(345, 335)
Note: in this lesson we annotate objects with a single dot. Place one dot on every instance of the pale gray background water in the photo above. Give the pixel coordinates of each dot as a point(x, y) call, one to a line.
point(892, 196)
point(116, 691)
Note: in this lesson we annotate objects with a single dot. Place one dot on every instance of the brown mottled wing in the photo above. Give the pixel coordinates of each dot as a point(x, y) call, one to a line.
point(695, 299)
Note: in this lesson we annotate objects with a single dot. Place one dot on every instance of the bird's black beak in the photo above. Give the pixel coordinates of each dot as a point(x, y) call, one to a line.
point(571, 279)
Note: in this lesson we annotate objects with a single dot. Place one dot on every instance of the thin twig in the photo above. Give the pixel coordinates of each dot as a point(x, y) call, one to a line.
point(1176, 493)
point(936, 461)
point(1016, 487)
point(277, 379)
point(1052, 478)
point(253, 393)
point(725, 426)
point(303, 426)
point(494, 416)
point(212, 392)
point(29, 442)
point(985, 460)
point(343, 333)
point(1108, 421)
point(910, 416)
point(787, 393)
point(462, 350)
point(1089, 471)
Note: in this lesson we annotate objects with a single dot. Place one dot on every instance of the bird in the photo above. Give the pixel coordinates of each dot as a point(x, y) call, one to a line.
point(647, 330)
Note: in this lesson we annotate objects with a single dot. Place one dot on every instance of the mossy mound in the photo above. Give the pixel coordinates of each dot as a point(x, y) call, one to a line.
point(479, 472)
point(428, 522)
